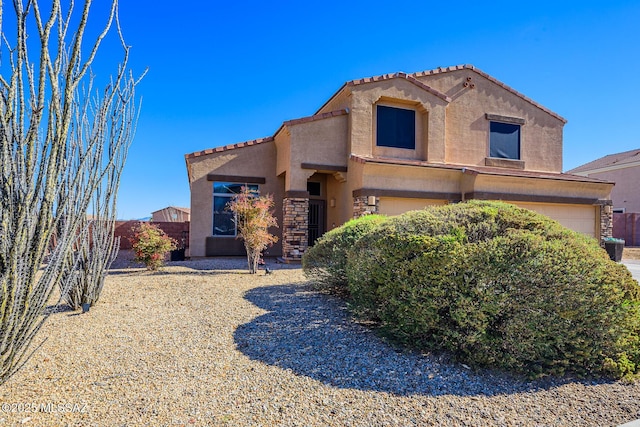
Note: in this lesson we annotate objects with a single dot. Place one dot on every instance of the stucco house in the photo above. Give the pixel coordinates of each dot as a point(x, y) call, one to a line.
point(624, 170)
point(393, 143)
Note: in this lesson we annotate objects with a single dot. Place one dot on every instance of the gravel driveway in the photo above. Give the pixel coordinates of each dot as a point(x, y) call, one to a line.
point(204, 343)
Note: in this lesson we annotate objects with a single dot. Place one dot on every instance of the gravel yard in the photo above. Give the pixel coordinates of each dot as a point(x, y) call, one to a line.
point(205, 343)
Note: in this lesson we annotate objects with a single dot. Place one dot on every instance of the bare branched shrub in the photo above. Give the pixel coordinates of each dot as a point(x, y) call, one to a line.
point(57, 147)
point(253, 218)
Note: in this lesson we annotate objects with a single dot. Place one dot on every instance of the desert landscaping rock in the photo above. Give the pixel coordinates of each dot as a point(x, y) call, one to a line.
point(205, 343)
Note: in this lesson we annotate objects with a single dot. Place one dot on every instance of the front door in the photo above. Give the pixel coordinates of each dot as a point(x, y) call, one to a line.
point(316, 220)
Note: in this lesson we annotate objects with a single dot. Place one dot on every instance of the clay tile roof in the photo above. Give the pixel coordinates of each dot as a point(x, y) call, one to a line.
point(228, 147)
point(533, 174)
point(316, 117)
point(400, 75)
point(444, 70)
point(476, 170)
point(412, 77)
point(492, 79)
point(616, 159)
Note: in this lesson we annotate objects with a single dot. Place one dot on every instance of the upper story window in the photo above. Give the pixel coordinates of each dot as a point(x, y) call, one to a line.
point(396, 127)
point(223, 219)
point(504, 140)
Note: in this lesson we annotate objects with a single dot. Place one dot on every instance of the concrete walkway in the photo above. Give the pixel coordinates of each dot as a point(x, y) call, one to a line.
point(634, 268)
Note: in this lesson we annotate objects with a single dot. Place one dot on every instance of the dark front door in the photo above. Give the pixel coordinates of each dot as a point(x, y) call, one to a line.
point(316, 220)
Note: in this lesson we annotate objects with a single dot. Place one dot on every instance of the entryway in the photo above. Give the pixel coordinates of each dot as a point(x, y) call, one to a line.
point(317, 226)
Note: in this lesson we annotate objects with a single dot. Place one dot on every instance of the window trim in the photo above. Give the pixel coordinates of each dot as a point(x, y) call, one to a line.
point(377, 126)
point(227, 196)
point(504, 119)
point(509, 121)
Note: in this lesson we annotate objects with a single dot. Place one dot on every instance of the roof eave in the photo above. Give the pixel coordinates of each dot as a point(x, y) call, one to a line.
point(329, 100)
point(481, 170)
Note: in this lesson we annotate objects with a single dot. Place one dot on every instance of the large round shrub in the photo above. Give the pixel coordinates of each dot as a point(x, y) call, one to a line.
point(499, 286)
point(325, 262)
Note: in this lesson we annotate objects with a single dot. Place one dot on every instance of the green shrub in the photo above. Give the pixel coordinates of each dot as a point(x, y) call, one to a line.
point(150, 245)
point(325, 262)
point(498, 286)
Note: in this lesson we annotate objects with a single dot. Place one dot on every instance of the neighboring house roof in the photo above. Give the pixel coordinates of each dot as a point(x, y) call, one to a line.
point(610, 162)
point(412, 78)
point(479, 169)
point(185, 210)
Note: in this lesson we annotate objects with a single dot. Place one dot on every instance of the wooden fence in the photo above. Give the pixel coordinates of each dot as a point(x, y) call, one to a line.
point(627, 226)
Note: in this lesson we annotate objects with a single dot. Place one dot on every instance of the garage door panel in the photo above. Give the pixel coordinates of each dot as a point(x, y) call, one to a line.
point(579, 218)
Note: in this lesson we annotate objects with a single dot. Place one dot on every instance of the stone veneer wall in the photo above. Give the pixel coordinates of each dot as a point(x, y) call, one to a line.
point(295, 228)
point(606, 220)
point(361, 206)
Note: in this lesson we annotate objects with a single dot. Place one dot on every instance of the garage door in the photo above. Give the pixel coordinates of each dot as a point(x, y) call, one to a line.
point(580, 218)
point(396, 206)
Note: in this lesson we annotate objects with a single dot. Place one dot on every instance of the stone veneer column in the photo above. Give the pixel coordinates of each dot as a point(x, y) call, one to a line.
point(361, 206)
point(295, 228)
point(606, 220)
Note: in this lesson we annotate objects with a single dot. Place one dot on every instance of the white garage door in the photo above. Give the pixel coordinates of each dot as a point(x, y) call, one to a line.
point(580, 218)
point(395, 205)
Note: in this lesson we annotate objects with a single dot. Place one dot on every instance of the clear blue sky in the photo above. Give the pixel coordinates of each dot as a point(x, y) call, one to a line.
point(226, 72)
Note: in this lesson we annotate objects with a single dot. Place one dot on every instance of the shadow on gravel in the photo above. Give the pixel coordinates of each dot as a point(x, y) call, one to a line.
point(313, 335)
point(58, 308)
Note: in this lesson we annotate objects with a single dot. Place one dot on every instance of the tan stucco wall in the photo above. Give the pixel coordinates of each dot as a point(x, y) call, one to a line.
point(252, 161)
point(283, 151)
point(625, 194)
point(340, 101)
point(322, 142)
point(430, 117)
point(539, 186)
point(467, 129)
point(343, 209)
point(408, 178)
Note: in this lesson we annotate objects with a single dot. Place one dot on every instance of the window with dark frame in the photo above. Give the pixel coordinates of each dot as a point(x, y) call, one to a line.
point(223, 219)
point(396, 127)
point(504, 140)
point(314, 188)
